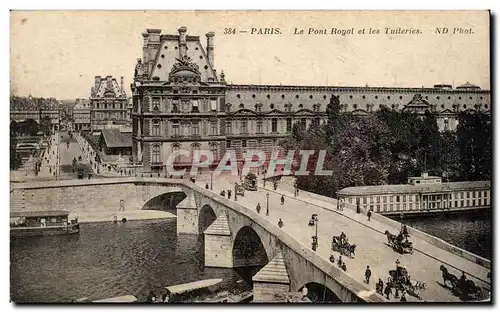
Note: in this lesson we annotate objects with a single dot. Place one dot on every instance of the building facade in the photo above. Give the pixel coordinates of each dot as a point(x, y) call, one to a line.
point(37, 109)
point(81, 115)
point(108, 104)
point(179, 101)
point(421, 194)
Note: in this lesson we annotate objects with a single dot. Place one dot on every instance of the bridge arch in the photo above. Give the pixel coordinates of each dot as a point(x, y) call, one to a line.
point(167, 201)
point(248, 249)
point(318, 292)
point(206, 217)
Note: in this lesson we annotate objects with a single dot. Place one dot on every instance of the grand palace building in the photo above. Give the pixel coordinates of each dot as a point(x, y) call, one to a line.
point(180, 101)
point(108, 104)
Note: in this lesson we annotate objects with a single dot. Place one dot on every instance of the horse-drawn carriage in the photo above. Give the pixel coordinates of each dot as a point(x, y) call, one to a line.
point(399, 243)
point(343, 246)
point(464, 288)
point(401, 280)
point(250, 182)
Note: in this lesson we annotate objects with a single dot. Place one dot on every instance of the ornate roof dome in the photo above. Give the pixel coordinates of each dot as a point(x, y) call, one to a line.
point(468, 85)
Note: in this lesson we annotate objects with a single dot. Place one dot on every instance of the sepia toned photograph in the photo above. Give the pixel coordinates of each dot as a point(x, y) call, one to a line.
point(250, 157)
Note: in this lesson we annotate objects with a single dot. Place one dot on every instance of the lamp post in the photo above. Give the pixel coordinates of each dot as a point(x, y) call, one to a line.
point(267, 204)
point(316, 224)
point(265, 178)
point(235, 191)
point(211, 177)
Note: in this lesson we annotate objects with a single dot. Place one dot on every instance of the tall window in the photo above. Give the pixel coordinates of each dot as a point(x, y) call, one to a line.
point(274, 125)
point(446, 124)
point(195, 106)
point(229, 128)
point(156, 154)
point(156, 104)
point(244, 126)
point(213, 105)
point(289, 125)
point(259, 126)
point(175, 106)
point(175, 128)
point(156, 128)
point(213, 128)
point(185, 106)
point(195, 129)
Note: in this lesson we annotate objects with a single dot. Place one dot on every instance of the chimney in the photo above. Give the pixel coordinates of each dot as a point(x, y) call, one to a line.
point(182, 41)
point(97, 82)
point(210, 48)
point(121, 85)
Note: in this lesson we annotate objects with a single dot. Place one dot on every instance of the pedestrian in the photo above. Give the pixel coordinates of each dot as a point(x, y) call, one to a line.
point(368, 273)
point(258, 208)
point(358, 209)
point(332, 259)
point(165, 298)
point(282, 199)
point(229, 194)
point(397, 264)
point(304, 292)
point(151, 298)
point(280, 223)
point(379, 287)
point(369, 214)
point(223, 193)
point(344, 267)
point(339, 262)
point(403, 297)
point(387, 291)
point(206, 186)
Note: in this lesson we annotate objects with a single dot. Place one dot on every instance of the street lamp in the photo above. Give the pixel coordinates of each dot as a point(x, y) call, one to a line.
point(265, 178)
point(316, 224)
point(235, 191)
point(211, 177)
point(267, 203)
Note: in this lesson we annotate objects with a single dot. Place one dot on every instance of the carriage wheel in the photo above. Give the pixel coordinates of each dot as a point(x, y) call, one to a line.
point(478, 295)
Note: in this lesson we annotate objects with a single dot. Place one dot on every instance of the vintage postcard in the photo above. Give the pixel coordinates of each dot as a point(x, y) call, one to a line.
point(250, 156)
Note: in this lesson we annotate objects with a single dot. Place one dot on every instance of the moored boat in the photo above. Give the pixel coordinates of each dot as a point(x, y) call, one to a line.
point(42, 223)
point(187, 287)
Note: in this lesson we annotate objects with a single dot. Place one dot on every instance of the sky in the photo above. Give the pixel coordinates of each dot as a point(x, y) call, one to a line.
point(58, 53)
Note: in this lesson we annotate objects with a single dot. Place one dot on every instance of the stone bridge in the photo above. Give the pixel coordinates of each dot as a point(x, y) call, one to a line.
point(235, 235)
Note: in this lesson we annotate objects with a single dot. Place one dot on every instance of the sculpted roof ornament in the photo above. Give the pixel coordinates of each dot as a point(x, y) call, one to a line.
point(418, 101)
point(185, 62)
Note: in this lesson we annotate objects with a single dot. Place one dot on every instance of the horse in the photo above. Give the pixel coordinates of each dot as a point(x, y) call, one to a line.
point(390, 237)
point(349, 250)
point(449, 277)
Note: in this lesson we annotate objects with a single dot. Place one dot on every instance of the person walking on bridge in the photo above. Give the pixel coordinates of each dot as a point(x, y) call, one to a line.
point(368, 273)
point(369, 214)
point(280, 223)
point(282, 199)
point(258, 208)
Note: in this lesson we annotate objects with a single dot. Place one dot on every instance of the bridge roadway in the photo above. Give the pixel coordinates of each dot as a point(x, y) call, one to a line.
point(372, 249)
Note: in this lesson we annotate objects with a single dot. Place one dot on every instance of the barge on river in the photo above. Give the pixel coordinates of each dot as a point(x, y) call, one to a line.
point(42, 223)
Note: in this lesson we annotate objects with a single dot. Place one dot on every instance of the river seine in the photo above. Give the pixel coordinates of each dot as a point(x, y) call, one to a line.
point(108, 259)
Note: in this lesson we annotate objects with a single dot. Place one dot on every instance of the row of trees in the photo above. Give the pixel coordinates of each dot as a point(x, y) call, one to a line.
point(387, 146)
point(28, 127)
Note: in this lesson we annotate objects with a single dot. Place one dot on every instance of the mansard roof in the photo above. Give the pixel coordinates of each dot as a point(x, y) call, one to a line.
point(166, 53)
point(106, 87)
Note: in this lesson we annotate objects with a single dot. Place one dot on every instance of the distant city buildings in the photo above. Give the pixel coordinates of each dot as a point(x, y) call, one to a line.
point(37, 109)
point(81, 115)
point(108, 104)
point(181, 102)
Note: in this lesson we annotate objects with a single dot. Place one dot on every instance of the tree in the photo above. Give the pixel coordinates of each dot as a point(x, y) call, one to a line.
point(15, 162)
point(45, 125)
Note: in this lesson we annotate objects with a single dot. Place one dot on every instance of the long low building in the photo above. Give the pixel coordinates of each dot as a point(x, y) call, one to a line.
point(421, 194)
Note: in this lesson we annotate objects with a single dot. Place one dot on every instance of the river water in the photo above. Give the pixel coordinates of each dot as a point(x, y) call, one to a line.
point(108, 259)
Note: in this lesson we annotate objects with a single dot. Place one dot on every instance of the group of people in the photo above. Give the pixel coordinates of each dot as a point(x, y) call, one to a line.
point(340, 263)
point(151, 298)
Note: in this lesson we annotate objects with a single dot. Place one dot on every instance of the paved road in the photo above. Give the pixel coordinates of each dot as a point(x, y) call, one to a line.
point(68, 153)
point(371, 249)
